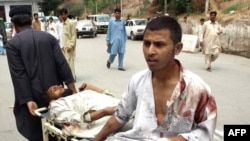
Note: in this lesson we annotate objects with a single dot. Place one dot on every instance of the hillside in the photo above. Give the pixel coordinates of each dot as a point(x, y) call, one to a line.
point(243, 9)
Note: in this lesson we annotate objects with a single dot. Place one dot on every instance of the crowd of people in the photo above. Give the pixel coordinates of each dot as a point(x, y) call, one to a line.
point(166, 100)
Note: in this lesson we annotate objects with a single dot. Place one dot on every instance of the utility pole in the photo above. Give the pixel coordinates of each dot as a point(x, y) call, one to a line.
point(139, 7)
point(206, 6)
point(121, 7)
point(95, 7)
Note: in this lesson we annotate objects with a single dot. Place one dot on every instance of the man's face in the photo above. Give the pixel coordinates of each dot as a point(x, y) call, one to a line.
point(64, 16)
point(55, 91)
point(158, 49)
point(117, 15)
point(185, 19)
point(36, 17)
point(60, 18)
point(212, 17)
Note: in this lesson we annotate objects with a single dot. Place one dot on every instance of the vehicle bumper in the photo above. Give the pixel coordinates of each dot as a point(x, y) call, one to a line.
point(102, 29)
point(85, 33)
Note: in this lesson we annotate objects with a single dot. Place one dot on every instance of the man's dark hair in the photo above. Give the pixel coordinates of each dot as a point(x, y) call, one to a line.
point(213, 12)
point(35, 14)
point(46, 97)
point(166, 22)
point(202, 19)
point(63, 10)
point(117, 10)
point(21, 20)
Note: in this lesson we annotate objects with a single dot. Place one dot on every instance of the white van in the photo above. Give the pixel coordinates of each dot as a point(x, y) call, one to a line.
point(102, 21)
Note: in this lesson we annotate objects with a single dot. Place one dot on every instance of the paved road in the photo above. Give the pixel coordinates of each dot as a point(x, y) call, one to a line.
point(229, 80)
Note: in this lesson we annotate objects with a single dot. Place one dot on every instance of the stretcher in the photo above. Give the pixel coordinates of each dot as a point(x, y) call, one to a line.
point(49, 127)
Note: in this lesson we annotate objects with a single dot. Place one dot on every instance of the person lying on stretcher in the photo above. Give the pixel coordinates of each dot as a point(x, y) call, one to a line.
point(82, 114)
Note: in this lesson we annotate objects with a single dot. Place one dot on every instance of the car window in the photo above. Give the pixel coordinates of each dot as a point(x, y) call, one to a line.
point(7, 25)
point(127, 22)
point(102, 18)
point(130, 23)
point(85, 23)
point(140, 22)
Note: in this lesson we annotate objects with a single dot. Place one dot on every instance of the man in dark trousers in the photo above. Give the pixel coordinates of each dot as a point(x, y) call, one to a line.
point(35, 62)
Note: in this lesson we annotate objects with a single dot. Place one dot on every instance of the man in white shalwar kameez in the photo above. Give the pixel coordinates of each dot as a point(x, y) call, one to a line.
point(210, 40)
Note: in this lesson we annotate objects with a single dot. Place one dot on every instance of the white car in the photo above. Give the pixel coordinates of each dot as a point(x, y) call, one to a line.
point(86, 28)
point(135, 28)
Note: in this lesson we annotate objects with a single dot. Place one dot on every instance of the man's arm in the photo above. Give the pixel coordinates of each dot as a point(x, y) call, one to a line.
point(111, 126)
point(71, 85)
point(101, 113)
point(206, 117)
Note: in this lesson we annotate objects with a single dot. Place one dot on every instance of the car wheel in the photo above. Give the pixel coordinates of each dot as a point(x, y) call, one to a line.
point(132, 36)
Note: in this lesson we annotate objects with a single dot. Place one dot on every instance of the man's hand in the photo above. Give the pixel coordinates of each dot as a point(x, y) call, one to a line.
point(201, 44)
point(108, 44)
point(68, 49)
point(82, 87)
point(32, 106)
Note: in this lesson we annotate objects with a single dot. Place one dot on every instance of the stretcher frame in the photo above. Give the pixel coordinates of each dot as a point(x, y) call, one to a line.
point(49, 127)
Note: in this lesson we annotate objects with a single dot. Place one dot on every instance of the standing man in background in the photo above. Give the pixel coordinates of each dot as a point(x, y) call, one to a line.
point(202, 20)
point(116, 39)
point(210, 40)
point(36, 24)
point(35, 62)
point(186, 26)
point(69, 40)
point(52, 28)
point(59, 28)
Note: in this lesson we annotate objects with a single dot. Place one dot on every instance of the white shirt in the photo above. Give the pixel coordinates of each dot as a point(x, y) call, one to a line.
point(191, 111)
point(71, 109)
point(52, 30)
point(59, 28)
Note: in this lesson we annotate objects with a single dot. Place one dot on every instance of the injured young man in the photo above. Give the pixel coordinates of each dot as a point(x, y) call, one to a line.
point(82, 114)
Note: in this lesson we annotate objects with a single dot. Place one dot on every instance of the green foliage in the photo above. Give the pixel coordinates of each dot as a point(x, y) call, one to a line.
point(175, 7)
point(183, 6)
point(47, 6)
point(232, 8)
point(76, 10)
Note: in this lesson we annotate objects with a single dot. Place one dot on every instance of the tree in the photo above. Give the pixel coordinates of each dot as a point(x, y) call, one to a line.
point(47, 6)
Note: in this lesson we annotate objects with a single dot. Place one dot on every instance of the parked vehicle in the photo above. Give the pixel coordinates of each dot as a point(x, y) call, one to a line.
point(8, 29)
point(86, 28)
point(41, 16)
point(101, 21)
point(55, 18)
point(135, 28)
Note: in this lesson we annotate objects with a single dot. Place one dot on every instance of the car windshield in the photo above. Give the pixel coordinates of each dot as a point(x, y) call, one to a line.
point(7, 25)
point(140, 22)
point(103, 18)
point(85, 23)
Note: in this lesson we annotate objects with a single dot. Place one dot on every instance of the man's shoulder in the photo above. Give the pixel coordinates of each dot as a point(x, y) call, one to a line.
point(141, 74)
point(191, 77)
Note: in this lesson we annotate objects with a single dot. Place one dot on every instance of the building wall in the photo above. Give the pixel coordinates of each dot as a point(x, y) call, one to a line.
point(8, 4)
